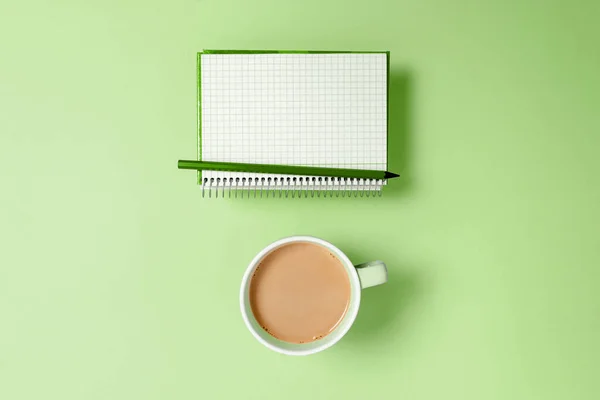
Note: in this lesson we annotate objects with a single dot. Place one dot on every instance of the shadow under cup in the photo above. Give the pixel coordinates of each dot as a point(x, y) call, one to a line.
point(300, 348)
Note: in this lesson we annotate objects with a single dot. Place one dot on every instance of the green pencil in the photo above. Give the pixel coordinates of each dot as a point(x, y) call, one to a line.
point(285, 170)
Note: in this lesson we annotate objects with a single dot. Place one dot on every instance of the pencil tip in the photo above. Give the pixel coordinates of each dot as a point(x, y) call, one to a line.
point(389, 175)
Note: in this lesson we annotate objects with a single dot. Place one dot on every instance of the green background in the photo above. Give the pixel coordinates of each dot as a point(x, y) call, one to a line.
point(117, 281)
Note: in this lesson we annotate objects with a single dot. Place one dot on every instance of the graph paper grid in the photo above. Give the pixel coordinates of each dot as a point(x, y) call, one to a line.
point(327, 110)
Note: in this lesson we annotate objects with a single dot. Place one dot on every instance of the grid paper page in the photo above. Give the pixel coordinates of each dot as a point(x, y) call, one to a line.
point(324, 110)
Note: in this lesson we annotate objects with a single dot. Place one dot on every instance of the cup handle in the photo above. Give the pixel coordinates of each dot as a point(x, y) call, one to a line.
point(372, 273)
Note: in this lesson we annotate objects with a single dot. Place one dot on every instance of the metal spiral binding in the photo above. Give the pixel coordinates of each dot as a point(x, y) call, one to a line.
point(271, 186)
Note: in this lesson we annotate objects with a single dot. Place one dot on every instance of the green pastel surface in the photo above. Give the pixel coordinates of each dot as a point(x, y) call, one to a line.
point(117, 281)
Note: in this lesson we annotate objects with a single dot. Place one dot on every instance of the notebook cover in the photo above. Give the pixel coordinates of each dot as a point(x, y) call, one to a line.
point(199, 83)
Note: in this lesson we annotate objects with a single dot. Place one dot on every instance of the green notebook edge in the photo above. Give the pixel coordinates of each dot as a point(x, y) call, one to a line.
point(387, 110)
point(213, 51)
point(199, 112)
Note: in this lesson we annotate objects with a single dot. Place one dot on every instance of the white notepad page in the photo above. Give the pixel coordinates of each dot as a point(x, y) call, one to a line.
point(325, 110)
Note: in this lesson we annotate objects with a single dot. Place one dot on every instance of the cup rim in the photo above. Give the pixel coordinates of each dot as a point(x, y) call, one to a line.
point(354, 287)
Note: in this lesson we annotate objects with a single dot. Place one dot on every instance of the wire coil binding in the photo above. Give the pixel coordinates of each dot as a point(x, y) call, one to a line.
point(298, 186)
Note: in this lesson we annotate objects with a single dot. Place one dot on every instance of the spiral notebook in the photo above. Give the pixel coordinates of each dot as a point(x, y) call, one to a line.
point(326, 109)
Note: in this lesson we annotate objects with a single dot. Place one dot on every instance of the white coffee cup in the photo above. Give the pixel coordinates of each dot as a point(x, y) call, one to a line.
point(361, 276)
